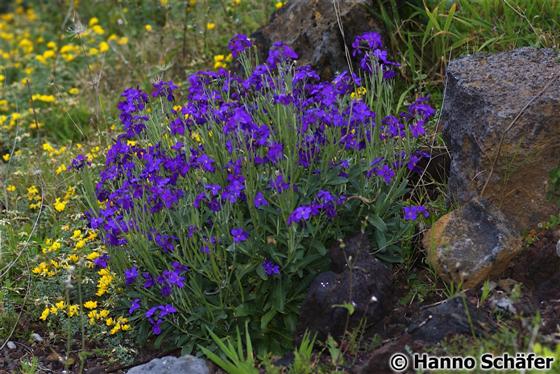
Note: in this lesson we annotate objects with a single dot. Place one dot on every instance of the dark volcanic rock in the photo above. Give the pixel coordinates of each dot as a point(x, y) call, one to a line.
point(358, 279)
point(311, 28)
point(471, 243)
point(503, 106)
point(452, 317)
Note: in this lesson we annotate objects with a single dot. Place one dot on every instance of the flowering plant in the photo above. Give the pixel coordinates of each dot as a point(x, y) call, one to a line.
point(220, 210)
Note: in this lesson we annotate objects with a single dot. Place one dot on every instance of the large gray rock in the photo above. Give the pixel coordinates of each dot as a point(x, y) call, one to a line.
point(471, 244)
point(172, 365)
point(484, 95)
point(311, 28)
point(359, 279)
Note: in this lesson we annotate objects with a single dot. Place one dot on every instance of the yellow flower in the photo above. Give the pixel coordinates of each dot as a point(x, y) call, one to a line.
point(196, 137)
point(90, 304)
point(60, 304)
point(103, 47)
point(115, 329)
point(163, 2)
point(59, 206)
point(235, 2)
point(77, 234)
point(210, 26)
point(51, 45)
point(93, 255)
point(73, 258)
point(61, 169)
point(148, 28)
point(122, 41)
point(279, 4)
point(103, 313)
point(45, 314)
point(11, 188)
point(80, 244)
point(109, 322)
point(72, 310)
point(125, 327)
point(6, 157)
point(93, 21)
point(98, 30)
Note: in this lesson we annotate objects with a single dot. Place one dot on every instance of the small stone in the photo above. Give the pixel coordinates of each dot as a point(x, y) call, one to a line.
point(365, 283)
point(471, 244)
point(36, 337)
point(172, 365)
point(451, 317)
point(11, 345)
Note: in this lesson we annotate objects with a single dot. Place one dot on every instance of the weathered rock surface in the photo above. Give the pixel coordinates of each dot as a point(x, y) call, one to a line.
point(454, 316)
point(504, 105)
point(172, 365)
point(471, 243)
point(358, 278)
point(311, 28)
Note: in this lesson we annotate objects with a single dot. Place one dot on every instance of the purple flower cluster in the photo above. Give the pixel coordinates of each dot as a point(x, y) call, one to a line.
point(270, 268)
point(156, 314)
point(324, 202)
point(412, 212)
point(368, 47)
point(223, 154)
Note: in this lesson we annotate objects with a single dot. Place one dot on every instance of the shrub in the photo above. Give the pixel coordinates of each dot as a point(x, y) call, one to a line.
point(220, 211)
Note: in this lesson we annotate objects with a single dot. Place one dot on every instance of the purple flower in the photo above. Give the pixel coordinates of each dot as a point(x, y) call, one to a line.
point(148, 280)
point(386, 173)
point(302, 213)
point(130, 275)
point(270, 268)
point(134, 306)
point(279, 184)
point(275, 152)
point(411, 212)
point(238, 44)
point(279, 52)
point(166, 89)
point(260, 200)
point(77, 163)
point(101, 261)
point(239, 235)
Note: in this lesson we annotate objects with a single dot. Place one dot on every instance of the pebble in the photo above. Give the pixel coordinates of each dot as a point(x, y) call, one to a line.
point(11, 345)
point(36, 337)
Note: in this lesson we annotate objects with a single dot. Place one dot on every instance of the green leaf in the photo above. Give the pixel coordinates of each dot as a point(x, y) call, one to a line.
point(265, 320)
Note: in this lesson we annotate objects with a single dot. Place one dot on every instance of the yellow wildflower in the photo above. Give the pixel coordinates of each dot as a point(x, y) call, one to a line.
point(210, 26)
point(148, 27)
point(103, 47)
point(73, 91)
point(72, 310)
point(45, 314)
point(6, 157)
point(59, 206)
point(279, 4)
point(61, 169)
point(90, 304)
point(11, 188)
